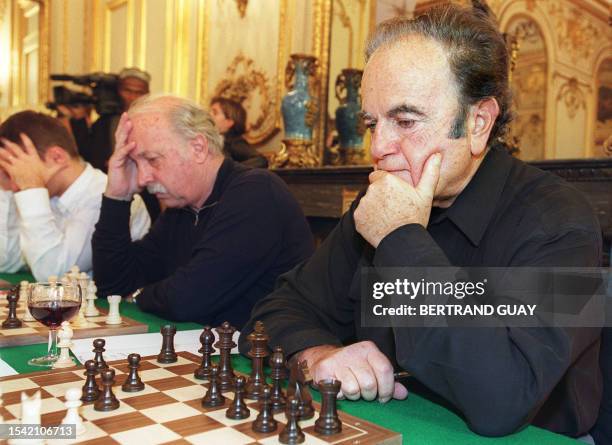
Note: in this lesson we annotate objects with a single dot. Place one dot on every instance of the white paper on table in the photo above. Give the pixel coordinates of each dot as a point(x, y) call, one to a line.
point(118, 347)
point(5, 369)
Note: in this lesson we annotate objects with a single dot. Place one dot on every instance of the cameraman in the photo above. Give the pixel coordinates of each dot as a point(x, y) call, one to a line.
point(96, 144)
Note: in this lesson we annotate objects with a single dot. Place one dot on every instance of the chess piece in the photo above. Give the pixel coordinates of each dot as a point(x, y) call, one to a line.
point(213, 396)
point(113, 310)
point(72, 404)
point(207, 338)
point(265, 422)
point(259, 351)
point(12, 322)
point(74, 270)
point(52, 279)
point(91, 310)
point(107, 400)
point(292, 433)
point(328, 422)
point(24, 289)
point(64, 336)
point(224, 345)
point(98, 344)
point(132, 381)
point(30, 415)
point(278, 373)
point(299, 378)
point(90, 390)
point(167, 353)
point(238, 409)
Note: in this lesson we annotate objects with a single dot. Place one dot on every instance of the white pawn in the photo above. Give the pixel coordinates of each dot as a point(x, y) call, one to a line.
point(52, 280)
point(72, 403)
point(91, 310)
point(74, 271)
point(64, 334)
point(113, 310)
point(24, 288)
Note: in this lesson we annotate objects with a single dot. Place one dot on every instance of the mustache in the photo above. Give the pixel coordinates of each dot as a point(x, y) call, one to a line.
point(156, 187)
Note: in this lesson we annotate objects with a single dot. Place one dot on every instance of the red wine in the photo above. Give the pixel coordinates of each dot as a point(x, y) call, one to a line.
point(53, 313)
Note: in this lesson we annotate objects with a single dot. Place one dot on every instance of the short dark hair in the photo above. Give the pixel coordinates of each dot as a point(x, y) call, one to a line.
point(233, 110)
point(477, 55)
point(44, 131)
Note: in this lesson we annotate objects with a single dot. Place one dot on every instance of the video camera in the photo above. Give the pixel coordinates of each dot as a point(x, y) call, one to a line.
point(104, 97)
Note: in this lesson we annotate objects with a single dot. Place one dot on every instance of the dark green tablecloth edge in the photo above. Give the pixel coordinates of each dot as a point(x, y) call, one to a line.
point(417, 419)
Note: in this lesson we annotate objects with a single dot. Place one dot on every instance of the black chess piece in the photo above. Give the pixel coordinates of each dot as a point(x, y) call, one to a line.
point(227, 378)
point(12, 322)
point(107, 400)
point(98, 349)
point(292, 433)
point(328, 421)
point(207, 338)
point(259, 351)
point(265, 422)
point(132, 382)
point(167, 353)
point(278, 373)
point(238, 409)
point(91, 391)
point(299, 378)
point(213, 396)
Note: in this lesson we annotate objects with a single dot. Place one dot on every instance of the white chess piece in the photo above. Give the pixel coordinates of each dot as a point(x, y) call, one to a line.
point(30, 415)
point(113, 310)
point(72, 403)
point(52, 279)
point(74, 270)
point(24, 288)
point(91, 310)
point(64, 335)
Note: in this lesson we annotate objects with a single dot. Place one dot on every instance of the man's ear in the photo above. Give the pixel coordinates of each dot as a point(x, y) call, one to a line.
point(56, 155)
point(480, 123)
point(199, 148)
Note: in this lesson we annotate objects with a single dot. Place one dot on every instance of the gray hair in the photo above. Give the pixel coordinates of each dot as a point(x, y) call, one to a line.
point(476, 51)
point(187, 118)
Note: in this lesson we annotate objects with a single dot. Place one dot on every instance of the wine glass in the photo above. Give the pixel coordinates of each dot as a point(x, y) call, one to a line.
point(51, 304)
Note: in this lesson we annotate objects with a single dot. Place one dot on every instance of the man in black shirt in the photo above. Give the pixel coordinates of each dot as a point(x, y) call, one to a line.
point(435, 98)
point(226, 234)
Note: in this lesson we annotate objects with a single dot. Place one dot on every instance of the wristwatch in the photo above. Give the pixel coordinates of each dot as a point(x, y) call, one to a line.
point(133, 297)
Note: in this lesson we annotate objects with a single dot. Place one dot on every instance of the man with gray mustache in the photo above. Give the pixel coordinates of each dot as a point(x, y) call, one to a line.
point(226, 234)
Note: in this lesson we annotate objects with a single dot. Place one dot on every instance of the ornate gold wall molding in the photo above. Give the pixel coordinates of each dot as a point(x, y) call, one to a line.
point(244, 83)
point(3, 4)
point(242, 6)
point(576, 33)
point(345, 20)
point(572, 96)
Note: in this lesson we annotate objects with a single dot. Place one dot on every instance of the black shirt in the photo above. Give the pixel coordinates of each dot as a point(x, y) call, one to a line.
point(510, 214)
point(209, 266)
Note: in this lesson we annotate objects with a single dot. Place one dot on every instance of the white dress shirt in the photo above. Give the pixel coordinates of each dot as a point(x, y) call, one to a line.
point(51, 235)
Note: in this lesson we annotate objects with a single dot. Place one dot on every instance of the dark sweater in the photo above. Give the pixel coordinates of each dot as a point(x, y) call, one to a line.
point(208, 266)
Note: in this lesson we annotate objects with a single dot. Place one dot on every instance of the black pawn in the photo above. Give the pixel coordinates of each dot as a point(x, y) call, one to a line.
point(107, 400)
point(207, 338)
point(292, 433)
point(98, 349)
point(328, 421)
point(12, 322)
point(213, 396)
point(167, 353)
point(91, 391)
point(238, 409)
point(278, 373)
point(265, 422)
point(132, 382)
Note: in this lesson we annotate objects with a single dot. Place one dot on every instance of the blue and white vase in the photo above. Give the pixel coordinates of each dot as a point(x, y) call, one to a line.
point(348, 121)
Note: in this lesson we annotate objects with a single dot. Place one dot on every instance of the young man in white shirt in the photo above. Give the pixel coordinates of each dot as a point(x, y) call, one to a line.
point(49, 198)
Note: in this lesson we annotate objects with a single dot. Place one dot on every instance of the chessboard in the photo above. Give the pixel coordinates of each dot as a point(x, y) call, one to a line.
point(32, 332)
point(168, 410)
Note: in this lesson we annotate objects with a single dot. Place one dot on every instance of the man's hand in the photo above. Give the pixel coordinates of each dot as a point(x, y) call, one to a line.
point(363, 370)
point(24, 166)
point(122, 171)
point(391, 202)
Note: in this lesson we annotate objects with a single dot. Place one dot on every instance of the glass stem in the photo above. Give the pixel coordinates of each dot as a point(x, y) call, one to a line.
point(52, 346)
